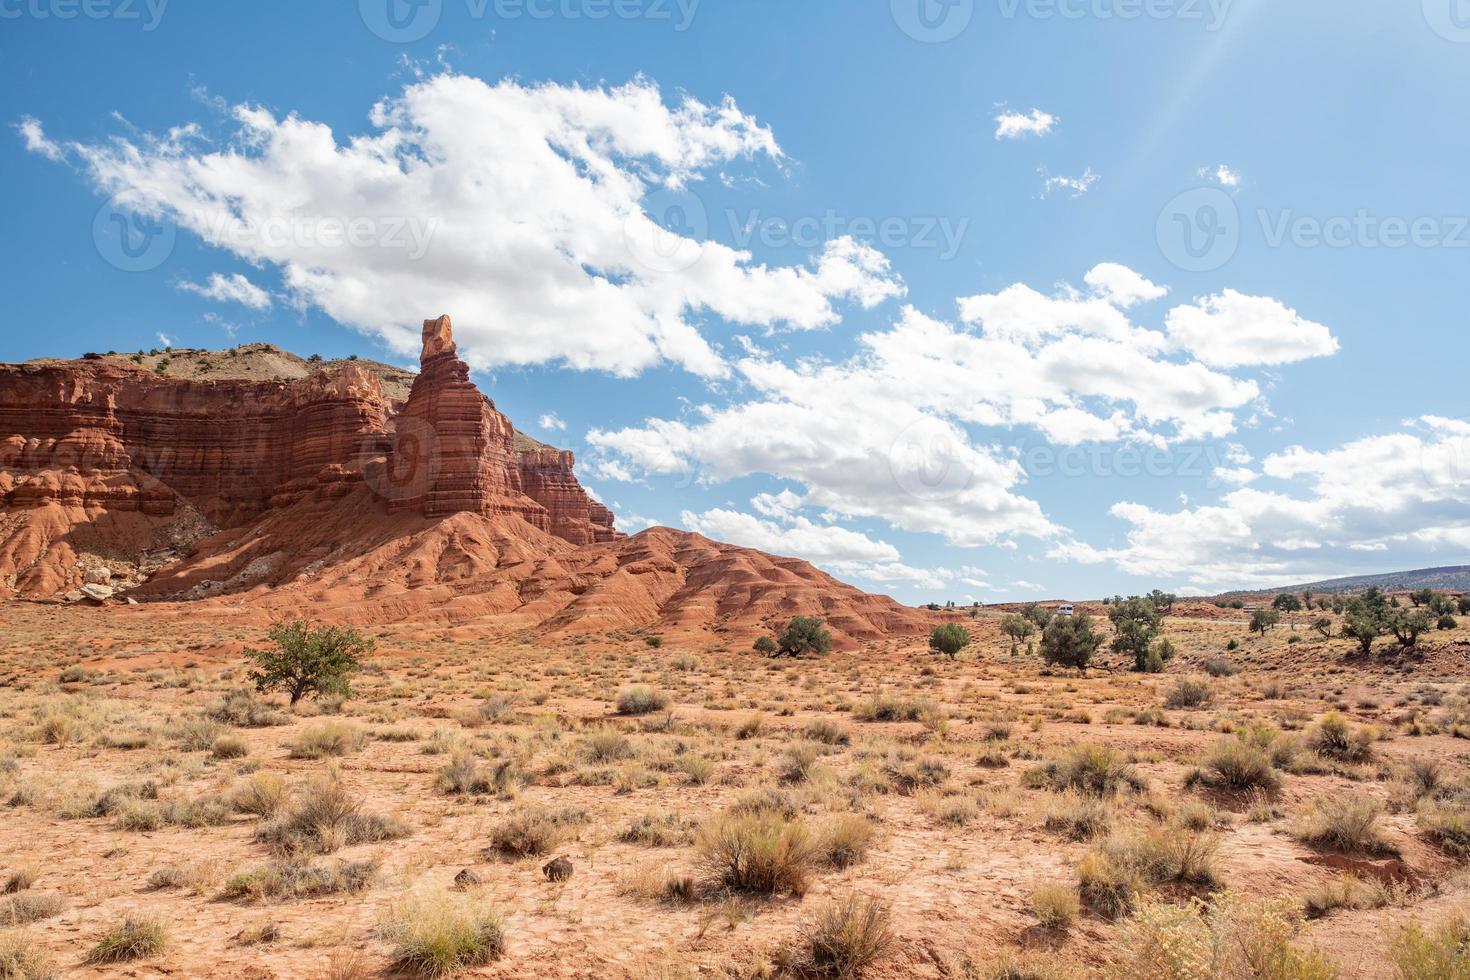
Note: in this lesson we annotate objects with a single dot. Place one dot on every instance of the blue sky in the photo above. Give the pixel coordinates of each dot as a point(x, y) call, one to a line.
point(900, 287)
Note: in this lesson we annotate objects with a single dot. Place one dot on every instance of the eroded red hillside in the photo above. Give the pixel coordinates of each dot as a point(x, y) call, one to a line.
point(322, 495)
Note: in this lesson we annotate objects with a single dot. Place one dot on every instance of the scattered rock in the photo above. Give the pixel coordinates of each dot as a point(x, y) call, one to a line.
point(467, 878)
point(98, 593)
point(98, 576)
point(557, 869)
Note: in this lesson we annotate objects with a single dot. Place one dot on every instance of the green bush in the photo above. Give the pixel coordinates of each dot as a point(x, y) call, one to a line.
point(804, 635)
point(1093, 769)
point(308, 661)
point(1069, 641)
point(949, 639)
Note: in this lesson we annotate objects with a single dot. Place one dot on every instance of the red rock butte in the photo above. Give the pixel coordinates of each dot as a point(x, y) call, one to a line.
point(252, 481)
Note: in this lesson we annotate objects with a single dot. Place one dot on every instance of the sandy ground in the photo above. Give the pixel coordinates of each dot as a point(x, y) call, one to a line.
point(93, 699)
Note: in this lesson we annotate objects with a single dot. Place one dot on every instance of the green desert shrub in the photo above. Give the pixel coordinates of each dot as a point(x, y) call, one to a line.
point(1190, 692)
point(1334, 737)
point(1235, 763)
point(1088, 768)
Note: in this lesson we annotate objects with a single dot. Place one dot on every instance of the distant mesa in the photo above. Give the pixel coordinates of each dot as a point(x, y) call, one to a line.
point(257, 482)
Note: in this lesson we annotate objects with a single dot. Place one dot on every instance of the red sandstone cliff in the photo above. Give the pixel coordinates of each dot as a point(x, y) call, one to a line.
point(321, 494)
point(84, 441)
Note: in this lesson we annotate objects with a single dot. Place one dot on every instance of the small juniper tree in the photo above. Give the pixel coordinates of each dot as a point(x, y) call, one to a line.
point(1287, 602)
point(803, 635)
point(764, 645)
point(1366, 618)
point(1323, 625)
point(1406, 626)
point(1070, 641)
point(1263, 620)
point(949, 639)
point(1037, 613)
point(307, 660)
point(1136, 624)
point(1163, 601)
point(1017, 628)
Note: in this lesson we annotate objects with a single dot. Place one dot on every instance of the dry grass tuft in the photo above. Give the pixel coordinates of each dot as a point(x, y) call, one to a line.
point(843, 939)
point(1345, 823)
point(640, 699)
point(21, 957)
point(1439, 952)
point(327, 740)
point(435, 936)
point(763, 851)
point(136, 937)
point(325, 816)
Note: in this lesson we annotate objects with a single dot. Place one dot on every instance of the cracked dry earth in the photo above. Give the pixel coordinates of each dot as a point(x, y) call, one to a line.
point(121, 776)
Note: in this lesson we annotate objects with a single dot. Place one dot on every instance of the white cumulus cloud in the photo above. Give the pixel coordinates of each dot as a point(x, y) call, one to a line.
point(1234, 330)
point(1403, 497)
point(1077, 185)
point(234, 288)
point(898, 430)
point(529, 212)
point(1010, 124)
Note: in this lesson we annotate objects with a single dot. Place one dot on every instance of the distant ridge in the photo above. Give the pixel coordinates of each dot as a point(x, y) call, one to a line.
point(1448, 578)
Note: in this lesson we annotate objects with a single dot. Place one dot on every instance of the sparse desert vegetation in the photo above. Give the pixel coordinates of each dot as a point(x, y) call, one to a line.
point(598, 805)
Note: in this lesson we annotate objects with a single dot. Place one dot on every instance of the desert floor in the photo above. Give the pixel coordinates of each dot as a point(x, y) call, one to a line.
point(137, 780)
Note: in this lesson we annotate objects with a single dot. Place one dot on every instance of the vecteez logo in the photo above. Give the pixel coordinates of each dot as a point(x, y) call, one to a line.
point(930, 460)
point(668, 233)
point(401, 21)
point(932, 21)
point(1450, 19)
point(1199, 230)
point(131, 241)
point(147, 12)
